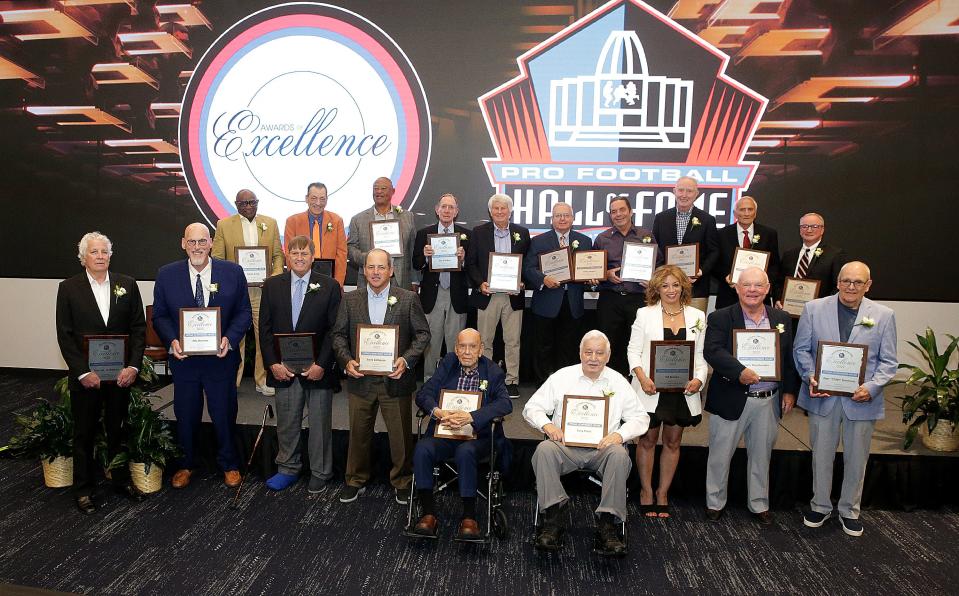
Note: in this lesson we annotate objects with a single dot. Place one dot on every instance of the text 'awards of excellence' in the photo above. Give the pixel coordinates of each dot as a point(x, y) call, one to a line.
point(296, 351)
point(744, 258)
point(504, 272)
point(671, 364)
point(584, 420)
point(589, 265)
point(253, 261)
point(458, 401)
point(386, 236)
point(758, 349)
point(684, 256)
point(797, 292)
point(200, 331)
point(376, 348)
point(106, 355)
point(555, 263)
point(840, 367)
point(639, 261)
point(444, 252)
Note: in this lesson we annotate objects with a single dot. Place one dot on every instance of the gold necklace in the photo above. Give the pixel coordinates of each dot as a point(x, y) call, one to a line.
point(671, 315)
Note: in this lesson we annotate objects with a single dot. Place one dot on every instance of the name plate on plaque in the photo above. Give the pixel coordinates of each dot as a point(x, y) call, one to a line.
point(671, 364)
point(840, 367)
point(797, 292)
point(744, 258)
point(556, 264)
point(200, 331)
point(385, 235)
point(106, 355)
point(584, 420)
point(376, 348)
point(758, 349)
point(639, 261)
point(684, 256)
point(297, 351)
point(458, 401)
point(253, 260)
point(444, 252)
point(504, 272)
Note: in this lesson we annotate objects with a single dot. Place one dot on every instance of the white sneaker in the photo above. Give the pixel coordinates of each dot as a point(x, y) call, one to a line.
point(265, 390)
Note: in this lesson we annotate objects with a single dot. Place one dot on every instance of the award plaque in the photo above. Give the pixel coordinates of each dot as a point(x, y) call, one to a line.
point(584, 420)
point(253, 260)
point(744, 258)
point(589, 265)
point(671, 364)
point(296, 351)
point(639, 261)
point(376, 348)
point(385, 235)
point(444, 252)
point(458, 401)
point(840, 367)
point(325, 267)
point(200, 331)
point(556, 264)
point(758, 349)
point(504, 272)
point(684, 256)
point(106, 355)
point(797, 292)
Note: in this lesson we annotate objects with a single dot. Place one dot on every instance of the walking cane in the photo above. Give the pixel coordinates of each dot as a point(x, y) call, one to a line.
point(267, 412)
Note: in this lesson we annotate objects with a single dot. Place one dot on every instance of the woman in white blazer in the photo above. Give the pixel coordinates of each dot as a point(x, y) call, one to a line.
point(667, 316)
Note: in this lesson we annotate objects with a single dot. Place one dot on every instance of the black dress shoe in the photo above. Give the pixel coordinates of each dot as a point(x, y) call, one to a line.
point(608, 541)
point(764, 517)
point(86, 505)
point(714, 514)
point(131, 492)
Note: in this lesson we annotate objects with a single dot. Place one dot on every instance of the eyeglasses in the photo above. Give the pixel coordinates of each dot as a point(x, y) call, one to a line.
point(247, 203)
point(200, 242)
point(853, 283)
point(810, 226)
point(753, 286)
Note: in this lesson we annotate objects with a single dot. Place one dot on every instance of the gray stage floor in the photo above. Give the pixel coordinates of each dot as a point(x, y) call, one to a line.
point(887, 438)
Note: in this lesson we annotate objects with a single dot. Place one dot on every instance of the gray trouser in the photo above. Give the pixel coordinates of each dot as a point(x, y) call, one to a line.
point(498, 311)
point(759, 425)
point(445, 323)
point(289, 422)
point(551, 460)
point(824, 437)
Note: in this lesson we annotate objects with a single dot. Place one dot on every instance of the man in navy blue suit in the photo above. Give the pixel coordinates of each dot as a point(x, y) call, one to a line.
point(557, 305)
point(466, 370)
point(200, 281)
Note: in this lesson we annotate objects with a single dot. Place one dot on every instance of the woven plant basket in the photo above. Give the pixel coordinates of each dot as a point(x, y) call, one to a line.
point(59, 473)
point(942, 437)
point(148, 483)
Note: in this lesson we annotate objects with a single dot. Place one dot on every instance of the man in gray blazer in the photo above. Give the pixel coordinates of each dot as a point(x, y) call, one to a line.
point(380, 303)
point(360, 241)
point(847, 317)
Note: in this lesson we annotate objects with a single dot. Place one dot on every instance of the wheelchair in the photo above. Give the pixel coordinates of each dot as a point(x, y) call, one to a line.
point(445, 474)
point(594, 478)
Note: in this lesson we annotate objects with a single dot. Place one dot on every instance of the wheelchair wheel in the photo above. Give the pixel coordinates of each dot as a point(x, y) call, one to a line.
point(500, 524)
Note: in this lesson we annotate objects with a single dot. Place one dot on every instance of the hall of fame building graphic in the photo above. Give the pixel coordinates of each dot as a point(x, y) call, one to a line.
point(623, 101)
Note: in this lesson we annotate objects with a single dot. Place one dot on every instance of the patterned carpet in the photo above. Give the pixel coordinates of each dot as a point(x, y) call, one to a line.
point(188, 542)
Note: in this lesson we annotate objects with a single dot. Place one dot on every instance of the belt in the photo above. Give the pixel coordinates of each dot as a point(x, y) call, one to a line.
point(760, 394)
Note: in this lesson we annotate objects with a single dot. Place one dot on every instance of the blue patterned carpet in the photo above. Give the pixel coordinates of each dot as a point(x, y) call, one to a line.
point(188, 542)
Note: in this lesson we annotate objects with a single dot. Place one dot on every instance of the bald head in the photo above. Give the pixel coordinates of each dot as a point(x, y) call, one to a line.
point(469, 347)
point(246, 203)
point(752, 288)
point(196, 243)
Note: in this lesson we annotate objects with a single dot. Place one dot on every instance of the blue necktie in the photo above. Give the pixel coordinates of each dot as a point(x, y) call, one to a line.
point(445, 276)
point(198, 296)
point(297, 301)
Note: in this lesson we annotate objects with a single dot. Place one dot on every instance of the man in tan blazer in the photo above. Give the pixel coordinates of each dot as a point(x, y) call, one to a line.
point(323, 227)
point(246, 228)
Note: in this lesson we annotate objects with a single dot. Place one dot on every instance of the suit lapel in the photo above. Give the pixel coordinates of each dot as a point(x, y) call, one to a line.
point(388, 317)
point(364, 305)
point(91, 299)
point(832, 317)
point(865, 310)
point(112, 300)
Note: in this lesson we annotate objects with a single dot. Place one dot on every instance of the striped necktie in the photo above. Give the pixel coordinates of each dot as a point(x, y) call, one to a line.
point(803, 265)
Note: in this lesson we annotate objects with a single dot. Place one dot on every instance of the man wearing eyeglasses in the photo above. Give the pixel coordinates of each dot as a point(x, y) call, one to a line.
point(848, 317)
point(814, 259)
point(246, 228)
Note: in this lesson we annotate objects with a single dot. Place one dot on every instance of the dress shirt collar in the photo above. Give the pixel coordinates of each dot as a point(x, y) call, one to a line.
point(294, 277)
point(812, 248)
point(441, 229)
point(314, 218)
point(752, 324)
point(501, 231)
point(96, 284)
point(202, 273)
point(378, 296)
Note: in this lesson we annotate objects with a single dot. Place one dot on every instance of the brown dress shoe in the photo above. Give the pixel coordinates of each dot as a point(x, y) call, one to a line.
point(181, 478)
point(469, 529)
point(426, 526)
point(764, 517)
point(231, 478)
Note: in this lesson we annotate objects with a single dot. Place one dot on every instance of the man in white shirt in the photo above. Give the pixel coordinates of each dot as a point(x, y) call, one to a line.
point(626, 420)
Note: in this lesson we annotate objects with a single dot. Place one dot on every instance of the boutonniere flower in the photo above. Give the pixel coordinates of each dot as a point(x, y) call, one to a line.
point(756, 237)
point(575, 244)
point(608, 393)
point(391, 300)
point(463, 237)
point(119, 291)
point(698, 327)
point(214, 288)
point(262, 227)
point(313, 288)
point(647, 239)
point(781, 328)
point(329, 226)
point(484, 384)
point(397, 209)
point(515, 236)
point(868, 322)
point(695, 221)
point(817, 252)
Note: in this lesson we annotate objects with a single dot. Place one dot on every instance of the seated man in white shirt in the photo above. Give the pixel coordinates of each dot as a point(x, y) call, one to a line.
point(626, 419)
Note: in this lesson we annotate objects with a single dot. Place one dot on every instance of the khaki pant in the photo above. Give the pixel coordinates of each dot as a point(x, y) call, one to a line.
point(700, 303)
point(259, 374)
point(500, 311)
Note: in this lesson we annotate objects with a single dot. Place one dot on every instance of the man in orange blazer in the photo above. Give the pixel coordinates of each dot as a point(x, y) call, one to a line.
point(246, 228)
point(324, 227)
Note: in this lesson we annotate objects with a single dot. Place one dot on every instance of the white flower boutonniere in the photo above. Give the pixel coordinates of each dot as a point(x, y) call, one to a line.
point(608, 393)
point(756, 237)
point(575, 244)
point(119, 291)
point(398, 209)
point(647, 239)
point(817, 252)
point(262, 226)
point(695, 221)
point(313, 288)
point(329, 226)
point(868, 322)
point(214, 288)
point(698, 326)
point(781, 328)
point(463, 237)
point(391, 300)
point(515, 236)
point(484, 384)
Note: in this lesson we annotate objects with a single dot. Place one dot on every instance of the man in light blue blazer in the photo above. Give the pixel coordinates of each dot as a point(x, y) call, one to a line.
point(847, 317)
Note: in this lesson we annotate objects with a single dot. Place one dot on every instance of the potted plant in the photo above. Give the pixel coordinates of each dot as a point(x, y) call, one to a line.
point(47, 433)
point(150, 442)
point(935, 397)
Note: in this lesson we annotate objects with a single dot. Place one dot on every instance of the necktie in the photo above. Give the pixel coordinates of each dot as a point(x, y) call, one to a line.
point(297, 301)
point(317, 236)
point(198, 295)
point(445, 276)
point(803, 265)
point(562, 241)
point(746, 242)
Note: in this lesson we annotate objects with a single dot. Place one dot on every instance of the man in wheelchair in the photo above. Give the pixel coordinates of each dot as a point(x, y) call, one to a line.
point(603, 413)
point(459, 374)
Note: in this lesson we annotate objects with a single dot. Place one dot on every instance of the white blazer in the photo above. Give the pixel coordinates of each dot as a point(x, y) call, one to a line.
point(648, 327)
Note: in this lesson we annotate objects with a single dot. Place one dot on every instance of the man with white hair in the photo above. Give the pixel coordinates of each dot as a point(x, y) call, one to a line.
point(494, 308)
point(99, 302)
point(625, 418)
